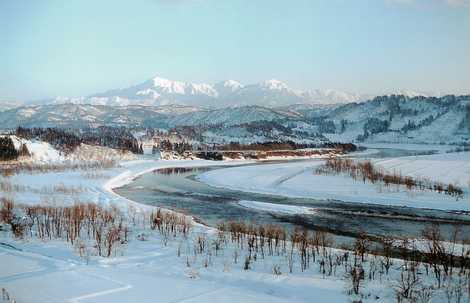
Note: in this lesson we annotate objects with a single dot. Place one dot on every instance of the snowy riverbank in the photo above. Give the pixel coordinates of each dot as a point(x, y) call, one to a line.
point(90, 186)
point(297, 179)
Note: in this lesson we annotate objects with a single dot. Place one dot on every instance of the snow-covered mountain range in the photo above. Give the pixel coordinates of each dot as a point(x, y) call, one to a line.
point(229, 108)
point(159, 91)
point(8, 104)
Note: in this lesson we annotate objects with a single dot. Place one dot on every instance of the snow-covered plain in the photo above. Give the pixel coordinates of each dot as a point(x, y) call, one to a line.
point(148, 271)
point(143, 271)
point(299, 180)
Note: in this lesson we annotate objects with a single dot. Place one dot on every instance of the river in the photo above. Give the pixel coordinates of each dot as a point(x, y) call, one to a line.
point(178, 189)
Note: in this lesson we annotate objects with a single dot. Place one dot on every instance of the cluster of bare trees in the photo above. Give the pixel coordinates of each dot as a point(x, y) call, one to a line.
point(306, 247)
point(264, 154)
point(284, 145)
point(447, 263)
point(414, 268)
point(104, 228)
point(366, 171)
point(417, 271)
point(264, 150)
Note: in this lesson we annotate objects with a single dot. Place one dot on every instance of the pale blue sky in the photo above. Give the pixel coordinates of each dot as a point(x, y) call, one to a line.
point(79, 47)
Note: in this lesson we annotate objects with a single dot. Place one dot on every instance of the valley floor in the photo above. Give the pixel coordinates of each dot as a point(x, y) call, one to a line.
point(149, 271)
point(144, 271)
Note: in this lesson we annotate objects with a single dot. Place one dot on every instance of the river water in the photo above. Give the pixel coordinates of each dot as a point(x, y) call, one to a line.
point(178, 189)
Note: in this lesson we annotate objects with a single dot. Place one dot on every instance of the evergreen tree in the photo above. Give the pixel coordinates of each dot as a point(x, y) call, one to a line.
point(7, 149)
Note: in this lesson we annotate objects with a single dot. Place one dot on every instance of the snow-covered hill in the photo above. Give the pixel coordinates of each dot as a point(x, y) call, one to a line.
point(73, 115)
point(396, 119)
point(86, 115)
point(229, 116)
point(39, 151)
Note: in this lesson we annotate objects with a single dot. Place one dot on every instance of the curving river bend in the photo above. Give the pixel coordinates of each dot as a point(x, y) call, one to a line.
point(178, 189)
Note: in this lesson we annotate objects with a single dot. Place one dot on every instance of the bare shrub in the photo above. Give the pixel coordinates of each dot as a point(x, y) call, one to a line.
point(437, 255)
point(356, 278)
point(361, 246)
point(170, 223)
point(247, 263)
point(277, 270)
point(387, 246)
point(407, 287)
point(424, 294)
point(6, 212)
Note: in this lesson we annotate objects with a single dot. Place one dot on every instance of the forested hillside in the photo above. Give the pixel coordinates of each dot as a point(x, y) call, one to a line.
point(394, 118)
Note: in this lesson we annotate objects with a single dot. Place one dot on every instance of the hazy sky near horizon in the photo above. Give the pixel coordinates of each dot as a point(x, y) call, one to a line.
point(79, 47)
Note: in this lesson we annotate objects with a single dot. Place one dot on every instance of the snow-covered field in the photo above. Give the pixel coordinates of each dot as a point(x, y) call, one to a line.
point(298, 179)
point(146, 271)
point(33, 270)
point(446, 167)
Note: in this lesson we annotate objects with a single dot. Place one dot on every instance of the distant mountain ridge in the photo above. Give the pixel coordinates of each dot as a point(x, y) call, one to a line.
point(160, 91)
point(8, 104)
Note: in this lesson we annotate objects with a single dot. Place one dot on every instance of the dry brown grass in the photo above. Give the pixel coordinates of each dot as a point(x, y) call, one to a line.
point(10, 169)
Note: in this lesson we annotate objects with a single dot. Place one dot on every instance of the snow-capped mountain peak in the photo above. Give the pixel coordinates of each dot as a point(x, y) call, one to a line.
point(329, 96)
point(162, 85)
point(202, 89)
point(227, 88)
point(413, 93)
point(232, 84)
point(274, 84)
point(168, 86)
